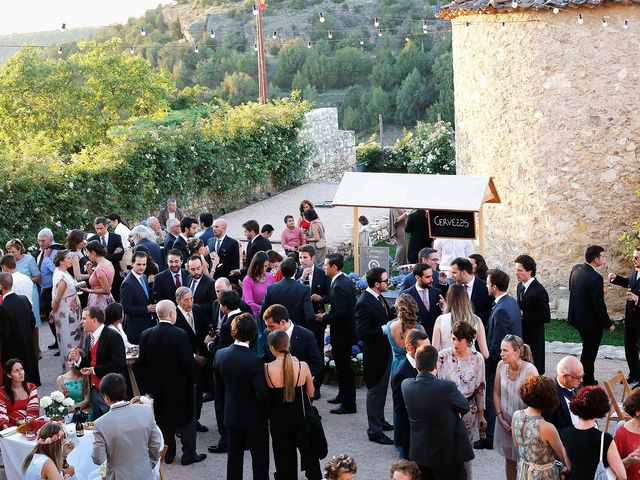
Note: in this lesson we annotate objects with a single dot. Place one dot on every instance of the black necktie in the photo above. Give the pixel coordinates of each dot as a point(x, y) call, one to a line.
point(384, 304)
point(568, 394)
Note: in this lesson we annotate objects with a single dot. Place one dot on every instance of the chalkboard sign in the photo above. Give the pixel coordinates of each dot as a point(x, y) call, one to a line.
point(373, 257)
point(452, 224)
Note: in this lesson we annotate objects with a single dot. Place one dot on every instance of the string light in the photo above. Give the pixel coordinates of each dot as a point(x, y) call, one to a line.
point(376, 23)
point(321, 18)
point(503, 24)
point(63, 27)
point(59, 50)
point(380, 32)
point(196, 49)
point(132, 50)
point(212, 34)
point(604, 22)
point(255, 10)
point(556, 10)
point(255, 47)
point(275, 35)
point(466, 24)
point(330, 34)
point(309, 45)
point(407, 39)
point(142, 32)
point(424, 25)
point(580, 19)
point(626, 24)
point(361, 43)
point(514, 4)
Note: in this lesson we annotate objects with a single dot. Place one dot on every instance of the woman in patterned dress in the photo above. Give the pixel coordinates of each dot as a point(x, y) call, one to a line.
point(465, 367)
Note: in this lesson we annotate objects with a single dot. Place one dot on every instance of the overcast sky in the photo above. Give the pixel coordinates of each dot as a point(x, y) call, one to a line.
point(19, 16)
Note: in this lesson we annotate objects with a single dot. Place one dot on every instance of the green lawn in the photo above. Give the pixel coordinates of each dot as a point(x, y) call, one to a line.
point(559, 330)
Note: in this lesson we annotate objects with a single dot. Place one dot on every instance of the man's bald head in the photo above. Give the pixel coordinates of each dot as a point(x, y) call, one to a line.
point(222, 285)
point(220, 228)
point(166, 310)
point(570, 372)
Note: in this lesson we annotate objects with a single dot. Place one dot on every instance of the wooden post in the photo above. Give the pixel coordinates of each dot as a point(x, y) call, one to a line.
point(262, 66)
point(481, 241)
point(356, 247)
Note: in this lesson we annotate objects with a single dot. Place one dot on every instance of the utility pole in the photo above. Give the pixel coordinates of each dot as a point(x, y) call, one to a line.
point(262, 64)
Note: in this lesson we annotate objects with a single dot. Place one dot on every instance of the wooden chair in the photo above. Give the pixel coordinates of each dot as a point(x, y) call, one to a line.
point(162, 454)
point(616, 413)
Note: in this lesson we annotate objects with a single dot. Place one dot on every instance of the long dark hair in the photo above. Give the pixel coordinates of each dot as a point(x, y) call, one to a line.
point(481, 266)
point(6, 381)
point(279, 341)
point(256, 268)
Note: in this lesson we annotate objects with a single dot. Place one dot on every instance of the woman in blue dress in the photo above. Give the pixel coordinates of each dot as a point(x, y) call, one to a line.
point(407, 319)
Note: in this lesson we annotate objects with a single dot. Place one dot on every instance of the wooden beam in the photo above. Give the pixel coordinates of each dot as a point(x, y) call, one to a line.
point(356, 247)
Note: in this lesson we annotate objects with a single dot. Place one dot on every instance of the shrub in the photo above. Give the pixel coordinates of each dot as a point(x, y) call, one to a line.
point(630, 240)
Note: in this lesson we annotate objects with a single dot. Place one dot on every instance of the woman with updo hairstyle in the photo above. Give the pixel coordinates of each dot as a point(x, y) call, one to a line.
point(340, 467)
point(582, 440)
point(47, 459)
point(537, 440)
point(511, 372)
point(627, 437)
point(102, 273)
point(406, 319)
point(290, 386)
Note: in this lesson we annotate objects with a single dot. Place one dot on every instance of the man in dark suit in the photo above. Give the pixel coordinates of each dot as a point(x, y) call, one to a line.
point(587, 310)
point(226, 248)
point(406, 369)
point(172, 232)
point(202, 286)
point(295, 297)
point(371, 316)
point(188, 227)
point(144, 236)
point(17, 323)
point(206, 222)
point(418, 227)
point(169, 370)
point(314, 278)
point(439, 442)
point(426, 296)
point(505, 319)
point(462, 272)
point(196, 324)
point(168, 281)
point(137, 300)
point(631, 316)
point(568, 382)
point(240, 384)
point(302, 342)
point(534, 306)
point(256, 241)
point(341, 320)
point(431, 257)
point(115, 251)
point(171, 211)
point(222, 285)
point(103, 353)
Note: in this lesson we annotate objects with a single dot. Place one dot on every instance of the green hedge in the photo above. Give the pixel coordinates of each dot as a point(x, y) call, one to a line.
point(219, 159)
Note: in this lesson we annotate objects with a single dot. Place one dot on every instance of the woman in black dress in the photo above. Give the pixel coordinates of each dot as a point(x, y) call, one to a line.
point(290, 384)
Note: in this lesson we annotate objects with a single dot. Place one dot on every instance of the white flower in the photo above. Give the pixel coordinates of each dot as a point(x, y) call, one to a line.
point(360, 356)
point(57, 396)
point(45, 401)
point(61, 409)
point(332, 363)
point(326, 359)
point(68, 402)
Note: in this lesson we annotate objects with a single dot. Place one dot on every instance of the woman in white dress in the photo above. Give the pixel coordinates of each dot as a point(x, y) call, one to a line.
point(47, 458)
point(458, 308)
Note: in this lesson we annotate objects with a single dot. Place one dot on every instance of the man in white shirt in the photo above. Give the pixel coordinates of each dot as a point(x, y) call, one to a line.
point(22, 284)
point(120, 228)
point(449, 248)
point(570, 374)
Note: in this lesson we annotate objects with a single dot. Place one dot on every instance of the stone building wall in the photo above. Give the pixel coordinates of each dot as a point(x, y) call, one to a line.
point(335, 150)
point(550, 109)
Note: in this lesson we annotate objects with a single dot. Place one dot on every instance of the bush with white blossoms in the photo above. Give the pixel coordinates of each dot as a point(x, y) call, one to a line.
point(56, 404)
point(432, 149)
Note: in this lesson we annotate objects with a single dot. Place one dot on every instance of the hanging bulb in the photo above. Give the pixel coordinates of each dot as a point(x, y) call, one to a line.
point(132, 50)
point(380, 32)
point(59, 50)
point(502, 24)
point(330, 34)
point(321, 18)
point(361, 43)
point(255, 10)
point(212, 34)
point(142, 32)
point(514, 4)
point(376, 23)
point(255, 47)
point(195, 49)
point(275, 35)
point(407, 39)
point(424, 25)
point(604, 22)
point(466, 24)
point(309, 45)
point(626, 24)
point(556, 10)
point(63, 27)
point(580, 19)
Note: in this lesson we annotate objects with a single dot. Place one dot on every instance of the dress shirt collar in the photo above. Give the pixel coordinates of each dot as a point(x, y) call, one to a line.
point(221, 239)
point(237, 311)
point(186, 239)
point(9, 293)
point(96, 334)
point(419, 288)
point(242, 344)
point(290, 329)
point(185, 314)
point(334, 278)
point(499, 297)
point(470, 285)
point(528, 283)
point(165, 321)
point(375, 295)
point(411, 360)
point(121, 403)
point(136, 275)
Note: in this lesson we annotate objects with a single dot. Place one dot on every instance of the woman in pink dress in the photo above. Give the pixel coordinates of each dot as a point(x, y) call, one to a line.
point(102, 273)
point(254, 285)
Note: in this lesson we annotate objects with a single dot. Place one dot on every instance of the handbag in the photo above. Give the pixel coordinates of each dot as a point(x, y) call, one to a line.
point(312, 431)
point(603, 473)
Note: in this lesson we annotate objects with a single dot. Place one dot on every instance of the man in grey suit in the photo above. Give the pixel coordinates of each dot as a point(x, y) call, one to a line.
point(126, 436)
point(439, 442)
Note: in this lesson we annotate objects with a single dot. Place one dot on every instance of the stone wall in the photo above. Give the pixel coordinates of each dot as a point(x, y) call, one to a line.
point(335, 150)
point(550, 109)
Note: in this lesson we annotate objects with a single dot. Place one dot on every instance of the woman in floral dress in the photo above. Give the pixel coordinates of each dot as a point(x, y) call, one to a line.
point(465, 367)
point(66, 311)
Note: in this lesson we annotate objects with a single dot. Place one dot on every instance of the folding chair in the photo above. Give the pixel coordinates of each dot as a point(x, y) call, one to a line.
point(162, 454)
point(616, 413)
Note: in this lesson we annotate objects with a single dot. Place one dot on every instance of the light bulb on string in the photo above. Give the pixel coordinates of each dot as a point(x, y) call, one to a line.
point(132, 50)
point(604, 22)
point(503, 24)
point(212, 34)
point(195, 49)
point(63, 27)
point(275, 35)
point(376, 23)
point(626, 24)
point(580, 19)
point(321, 18)
point(361, 43)
point(407, 39)
point(142, 31)
point(556, 10)
point(466, 24)
point(309, 45)
point(514, 4)
point(255, 47)
point(255, 10)
point(59, 50)
point(424, 25)
point(329, 34)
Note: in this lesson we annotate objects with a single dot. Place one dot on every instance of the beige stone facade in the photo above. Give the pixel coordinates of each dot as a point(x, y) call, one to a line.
point(551, 109)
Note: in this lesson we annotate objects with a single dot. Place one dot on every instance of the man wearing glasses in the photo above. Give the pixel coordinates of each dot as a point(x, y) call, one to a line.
point(631, 316)
point(568, 381)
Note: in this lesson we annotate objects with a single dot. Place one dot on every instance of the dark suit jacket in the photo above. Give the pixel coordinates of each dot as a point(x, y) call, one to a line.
point(534, 304)
point(418, 227)
point(302, 345)
point(240, 384)
point(504, 320)
point(427, 317)
point(154, 252)
point(207, 233)
point(409, 281)
point(16, 324)
point(181, 244)
point(229, 253)
point(319, 285)
point(169, 371)
point(435, 408)
point(402, 427)
point(135, 302)
point(202, 323)
point(341, 317)
point(560, 417)
point(113, 242)
point(587, 310)
point(164, 284)
point(481, 301)
point(110, 356)
point(370, 316)
point(163, 216)
point(205, 294)
point(632, 310)
point(218, 315)
point(168, 244)
point(224, 338)
point(294, 296)
point(259, 243)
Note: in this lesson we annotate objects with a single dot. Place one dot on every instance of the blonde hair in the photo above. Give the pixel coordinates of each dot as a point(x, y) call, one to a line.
point(279, 341)
point(407, 312)
point(518, 344)
point(460, 307)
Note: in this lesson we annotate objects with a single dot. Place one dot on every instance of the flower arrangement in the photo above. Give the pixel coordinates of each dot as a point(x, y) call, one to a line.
point(56, 404)
point(357, 365)
point(361, 282)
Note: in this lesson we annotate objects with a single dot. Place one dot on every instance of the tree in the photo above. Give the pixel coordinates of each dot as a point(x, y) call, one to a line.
point(382, 102)
point(300, 82)
point(383, 73)
point(410, 57)
point(410, 99)
point(239, 88)
point(350, 66)
point(316, 69)
point(291, 59)
point(442, 82)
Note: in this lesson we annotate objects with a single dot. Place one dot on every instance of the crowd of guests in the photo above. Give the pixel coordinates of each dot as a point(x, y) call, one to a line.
point(246, 327)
